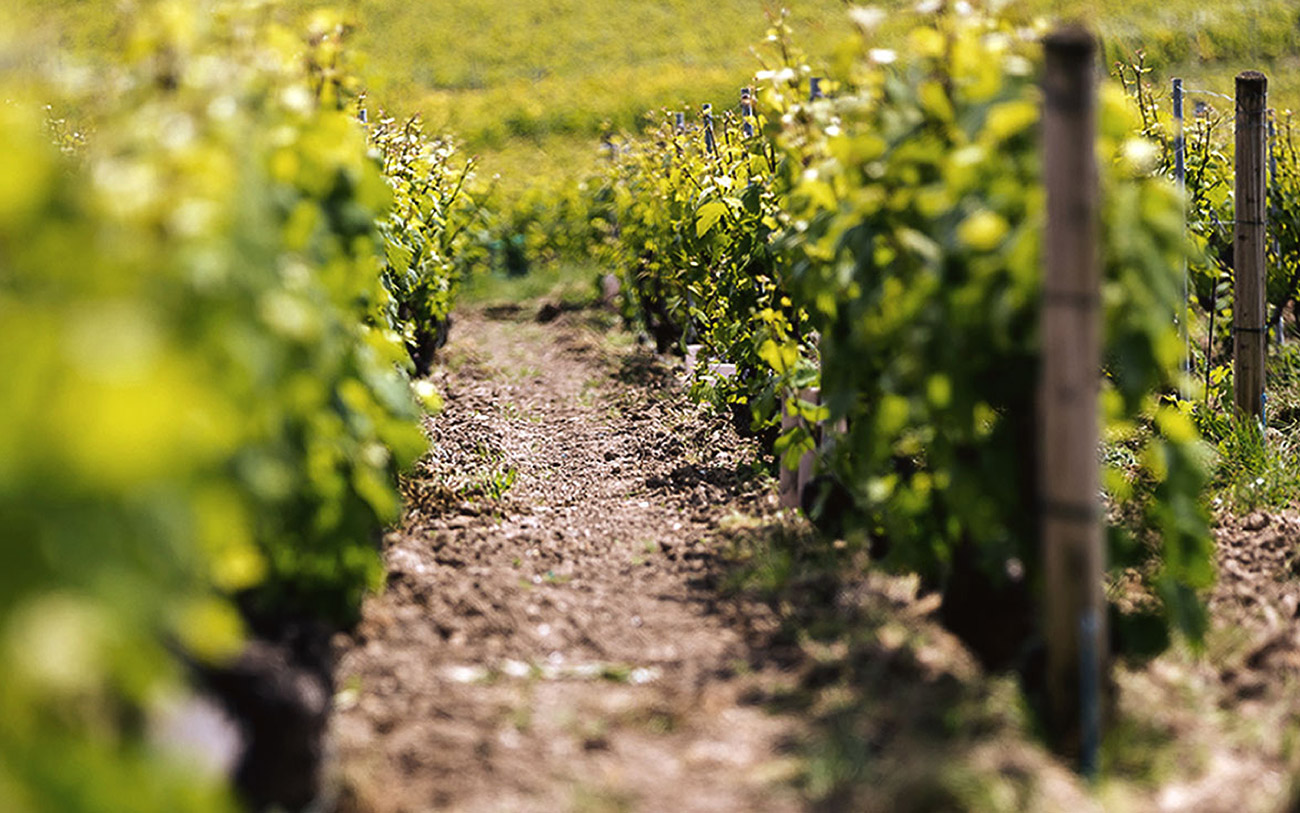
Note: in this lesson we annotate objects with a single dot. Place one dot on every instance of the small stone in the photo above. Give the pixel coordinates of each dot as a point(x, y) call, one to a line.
point(1255, 522)
point(1291, 605)
point(465, 674)
point(516, 669)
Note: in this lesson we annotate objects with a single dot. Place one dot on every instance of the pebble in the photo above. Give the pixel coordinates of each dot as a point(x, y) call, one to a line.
point(1255, 522)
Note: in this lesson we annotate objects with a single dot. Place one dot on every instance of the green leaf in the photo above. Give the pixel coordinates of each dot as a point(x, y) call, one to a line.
point(707, 216)
point(780, 357)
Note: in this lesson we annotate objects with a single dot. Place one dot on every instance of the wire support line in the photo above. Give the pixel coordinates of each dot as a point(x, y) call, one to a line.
point(1200, 223)
point(1210, 93)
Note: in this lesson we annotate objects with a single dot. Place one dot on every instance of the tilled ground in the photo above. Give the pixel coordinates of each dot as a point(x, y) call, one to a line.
point(563, 630)
point(1221, 727)
point(550, 638)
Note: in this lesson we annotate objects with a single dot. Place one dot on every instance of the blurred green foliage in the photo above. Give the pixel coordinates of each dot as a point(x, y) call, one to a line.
point(204, 404)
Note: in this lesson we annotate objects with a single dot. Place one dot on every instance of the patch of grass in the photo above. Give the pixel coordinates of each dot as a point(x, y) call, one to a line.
point(490, 480)
point(520, 717)
point(590, 394)
point(513, 412)
point(599, 800)
point(767, 558)
point(1139, 749)
point(525, 372)
point(568, 283)
point(457, 358)
point(1255, 468)
point(499, 482)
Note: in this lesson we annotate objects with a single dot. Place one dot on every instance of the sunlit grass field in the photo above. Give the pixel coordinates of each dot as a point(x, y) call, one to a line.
point(532, 88)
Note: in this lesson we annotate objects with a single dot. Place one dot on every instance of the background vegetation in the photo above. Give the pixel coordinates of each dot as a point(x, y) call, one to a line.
point(532, 87)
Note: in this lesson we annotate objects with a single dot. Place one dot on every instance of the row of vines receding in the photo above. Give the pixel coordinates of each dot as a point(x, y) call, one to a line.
point(214, 279)
point(863, 264)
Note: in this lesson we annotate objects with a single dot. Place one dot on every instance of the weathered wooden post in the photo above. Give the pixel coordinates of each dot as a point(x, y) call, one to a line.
point(808, 460)
point(1248, 321)
point(787, 480)
point(1073, 556)
point(792, 483)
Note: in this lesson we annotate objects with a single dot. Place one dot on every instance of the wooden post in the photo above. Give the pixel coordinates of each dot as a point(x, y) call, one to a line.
point(747, 112)
point(808, 460)
point(1248, 327)
point(1073, 556)
point(787, 481)
point(792, 483)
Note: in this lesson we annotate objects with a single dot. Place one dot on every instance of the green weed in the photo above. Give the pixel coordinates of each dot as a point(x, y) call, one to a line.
point(1255, 468)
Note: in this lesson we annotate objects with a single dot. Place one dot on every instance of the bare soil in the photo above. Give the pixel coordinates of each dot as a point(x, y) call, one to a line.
point(1217, 730)
point(551, 637)
point(594, 604)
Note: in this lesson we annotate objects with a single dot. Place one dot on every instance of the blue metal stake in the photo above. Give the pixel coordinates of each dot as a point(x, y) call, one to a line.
point(708, 130)
point(1180, 173)
point(1089, 695)
point(747, 112)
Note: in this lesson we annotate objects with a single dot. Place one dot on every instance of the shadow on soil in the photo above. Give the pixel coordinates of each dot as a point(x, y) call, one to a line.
point(902, 717)
point(646, 369)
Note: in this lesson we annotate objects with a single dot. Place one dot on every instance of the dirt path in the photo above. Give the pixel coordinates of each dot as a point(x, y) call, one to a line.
point(561, 633)
point(551, 637)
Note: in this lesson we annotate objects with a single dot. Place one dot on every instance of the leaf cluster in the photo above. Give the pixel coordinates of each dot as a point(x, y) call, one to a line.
point(884, 244)
point(204, 411)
